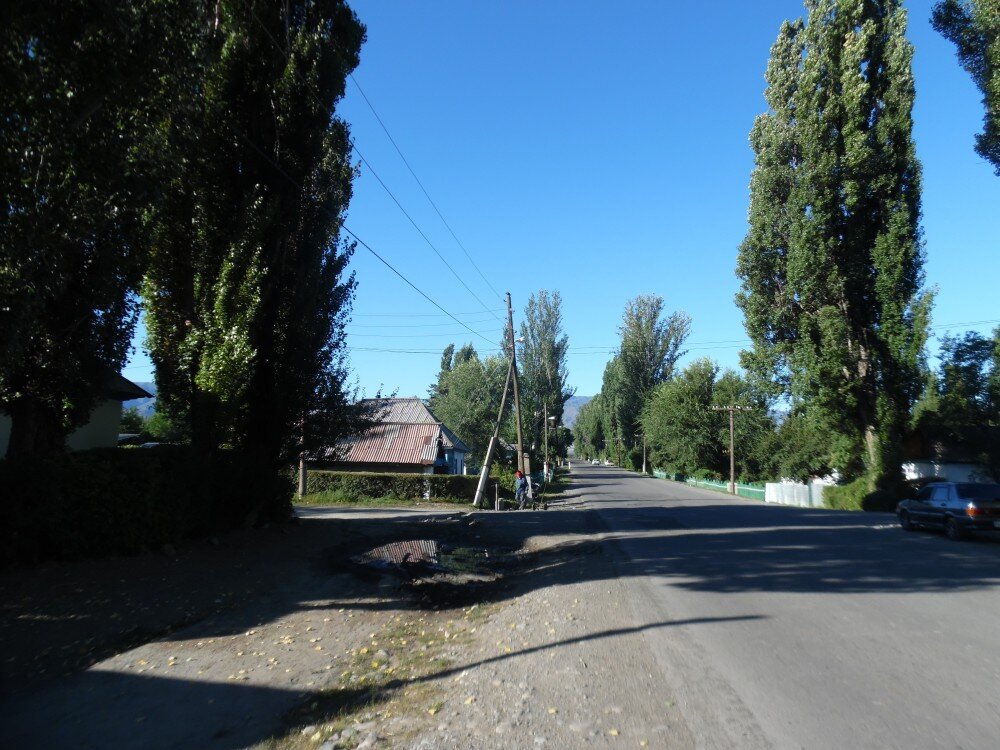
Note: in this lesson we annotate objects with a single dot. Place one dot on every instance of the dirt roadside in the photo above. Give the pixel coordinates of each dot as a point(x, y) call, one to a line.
point(277, 639)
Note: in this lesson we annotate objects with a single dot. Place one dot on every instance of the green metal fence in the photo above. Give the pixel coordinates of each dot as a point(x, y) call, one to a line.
point(749, 491)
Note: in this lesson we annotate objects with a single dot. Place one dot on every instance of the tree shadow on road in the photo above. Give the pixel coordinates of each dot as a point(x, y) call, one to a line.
point(224, 590)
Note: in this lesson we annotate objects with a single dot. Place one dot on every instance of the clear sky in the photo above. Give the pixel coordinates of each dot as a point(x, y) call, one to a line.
point(601, 152)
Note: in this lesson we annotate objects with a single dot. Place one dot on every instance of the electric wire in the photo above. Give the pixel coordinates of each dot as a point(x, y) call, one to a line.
point(417, 179)
point(385, 187)
point(364, 244)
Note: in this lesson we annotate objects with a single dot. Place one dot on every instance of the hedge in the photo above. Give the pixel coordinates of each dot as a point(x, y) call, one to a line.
point(125, 501)
point(858, 495)
point(357, 485)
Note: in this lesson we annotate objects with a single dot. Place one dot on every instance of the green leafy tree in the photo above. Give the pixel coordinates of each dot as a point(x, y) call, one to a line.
point(85, 87)
point(468, 398)
point(961, 405)
point(588, 433)
point(651, 344)
point(542, 367)
point(161, 429)
point(681, 429)
point(132, 422)
point(797, 450)
point(438, 388)
point(832, 263)
point(247, 293)
point(752, 428)
point(974, 27)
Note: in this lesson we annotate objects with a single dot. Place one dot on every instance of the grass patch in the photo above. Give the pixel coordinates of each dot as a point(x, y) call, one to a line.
point(338, 497)
point(559, 484)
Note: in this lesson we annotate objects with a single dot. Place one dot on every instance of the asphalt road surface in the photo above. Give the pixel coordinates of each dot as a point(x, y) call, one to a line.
point(807, 628)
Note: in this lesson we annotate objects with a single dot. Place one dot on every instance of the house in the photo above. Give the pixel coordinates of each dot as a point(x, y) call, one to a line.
point(406, 439)
point(101, 429)
point(953, 456)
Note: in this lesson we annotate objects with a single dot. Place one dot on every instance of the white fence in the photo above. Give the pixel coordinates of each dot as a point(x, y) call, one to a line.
point(793, 493)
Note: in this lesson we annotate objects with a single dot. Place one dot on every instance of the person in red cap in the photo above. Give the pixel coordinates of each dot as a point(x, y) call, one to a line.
point(520, 489)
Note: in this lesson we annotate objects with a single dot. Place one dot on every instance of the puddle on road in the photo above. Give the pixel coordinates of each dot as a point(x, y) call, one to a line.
point(429, 558)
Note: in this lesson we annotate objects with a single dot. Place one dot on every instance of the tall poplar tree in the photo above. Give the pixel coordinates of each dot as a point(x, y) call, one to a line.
point(84, 86)
point(832, 297)
point(541, 363)
point(248, 293)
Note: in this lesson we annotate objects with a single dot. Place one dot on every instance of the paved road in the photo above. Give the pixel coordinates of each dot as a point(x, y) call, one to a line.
point(811, 628)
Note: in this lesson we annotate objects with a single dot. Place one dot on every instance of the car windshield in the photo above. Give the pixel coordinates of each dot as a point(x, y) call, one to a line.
point(979, 491)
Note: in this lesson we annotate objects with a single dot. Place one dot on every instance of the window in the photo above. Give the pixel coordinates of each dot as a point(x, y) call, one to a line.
point(940, 494)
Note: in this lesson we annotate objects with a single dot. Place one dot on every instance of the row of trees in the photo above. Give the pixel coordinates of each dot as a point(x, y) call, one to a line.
point(183, 157)
point(651, 343)
point(832, 276)
point(466, 395)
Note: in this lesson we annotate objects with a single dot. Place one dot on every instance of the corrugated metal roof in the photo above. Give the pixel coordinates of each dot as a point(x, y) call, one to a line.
point(406, 433)
point(402, 411)
point(395, 444)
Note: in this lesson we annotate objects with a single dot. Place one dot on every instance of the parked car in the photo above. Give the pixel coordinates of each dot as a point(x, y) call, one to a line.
point(956, 507)
point(595, 462)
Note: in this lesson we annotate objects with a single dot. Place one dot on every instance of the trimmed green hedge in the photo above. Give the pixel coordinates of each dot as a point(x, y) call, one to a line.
point(857, 495)
point(125, 501)
point(357, 485)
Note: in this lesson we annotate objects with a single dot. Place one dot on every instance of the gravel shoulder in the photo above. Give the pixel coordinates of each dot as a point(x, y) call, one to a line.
point(276, 639)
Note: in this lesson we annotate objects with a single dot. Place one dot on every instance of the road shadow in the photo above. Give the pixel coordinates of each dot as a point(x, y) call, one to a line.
point(264, 576)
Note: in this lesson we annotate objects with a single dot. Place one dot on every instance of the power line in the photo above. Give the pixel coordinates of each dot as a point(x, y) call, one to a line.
point(384, 326)
point(419, 315)
point(414, 286)
point(420, 231)
point(305, 84)
point(364, 244)
point(407, 335)
point(426, 194)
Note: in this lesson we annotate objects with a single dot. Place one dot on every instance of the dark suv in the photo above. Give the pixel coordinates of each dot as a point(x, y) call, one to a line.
point(957, 507)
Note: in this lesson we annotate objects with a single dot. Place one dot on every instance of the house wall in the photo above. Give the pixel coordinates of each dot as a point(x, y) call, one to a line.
point(950, 472)
point(101, 431)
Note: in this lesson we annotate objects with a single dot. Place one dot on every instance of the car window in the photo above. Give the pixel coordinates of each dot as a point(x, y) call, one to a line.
point(978, 491)
point(925, 493)
point(940, 493)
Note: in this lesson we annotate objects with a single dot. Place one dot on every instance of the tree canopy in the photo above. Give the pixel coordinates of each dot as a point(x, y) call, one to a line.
point(974, 27)
point(832, 264)
point(86, 87)
point(247, 292)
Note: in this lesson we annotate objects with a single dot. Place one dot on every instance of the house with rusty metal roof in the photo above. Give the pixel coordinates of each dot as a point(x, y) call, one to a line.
point(405, 439)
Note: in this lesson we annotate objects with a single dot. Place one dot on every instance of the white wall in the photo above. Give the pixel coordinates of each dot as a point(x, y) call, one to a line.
point(100, 432)
point(951, 472)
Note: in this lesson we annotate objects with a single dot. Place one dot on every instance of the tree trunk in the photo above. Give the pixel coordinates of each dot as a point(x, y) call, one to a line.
point(34, 429)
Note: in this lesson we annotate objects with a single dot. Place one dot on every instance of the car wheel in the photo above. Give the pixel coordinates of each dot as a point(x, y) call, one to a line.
point(953, 530)
point(905, 521)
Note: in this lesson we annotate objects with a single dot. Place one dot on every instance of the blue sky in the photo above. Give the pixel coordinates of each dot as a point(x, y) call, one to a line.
point(601, 152)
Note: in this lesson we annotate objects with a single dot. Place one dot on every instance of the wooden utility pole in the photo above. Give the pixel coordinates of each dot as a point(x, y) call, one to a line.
point(517, 393)
point(732, 443)
point(488, 461)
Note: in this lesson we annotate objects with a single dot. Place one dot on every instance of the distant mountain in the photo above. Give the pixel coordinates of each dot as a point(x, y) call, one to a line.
point(572, 408)
point(145, 406)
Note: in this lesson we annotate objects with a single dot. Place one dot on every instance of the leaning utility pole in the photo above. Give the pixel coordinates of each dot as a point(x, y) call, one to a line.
point(485, 475)
point(517, 393)
point(732, 443)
